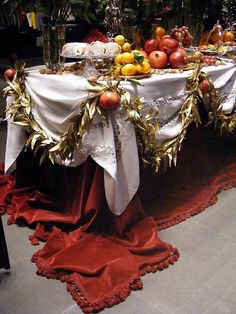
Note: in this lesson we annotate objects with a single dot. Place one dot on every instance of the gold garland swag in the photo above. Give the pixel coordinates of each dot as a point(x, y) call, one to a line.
point(143, 119)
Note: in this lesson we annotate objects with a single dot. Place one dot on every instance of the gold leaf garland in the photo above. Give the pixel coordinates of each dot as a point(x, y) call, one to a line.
point(19, 111)
point(212, 100)
point(80, 124)
point(145, 124)
point(144, 119)
point(168, 151)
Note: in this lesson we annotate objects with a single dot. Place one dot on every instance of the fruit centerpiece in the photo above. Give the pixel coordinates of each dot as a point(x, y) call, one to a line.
point(217, 41)
point(162, 53)
point(165, 52)
point(130, 62)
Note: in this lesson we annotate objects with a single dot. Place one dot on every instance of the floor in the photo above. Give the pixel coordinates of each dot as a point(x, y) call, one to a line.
point(203, 281)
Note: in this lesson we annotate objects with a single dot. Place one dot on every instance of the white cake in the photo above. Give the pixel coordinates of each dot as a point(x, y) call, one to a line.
point(75, 49)
point(104, 49)
point(96, 48)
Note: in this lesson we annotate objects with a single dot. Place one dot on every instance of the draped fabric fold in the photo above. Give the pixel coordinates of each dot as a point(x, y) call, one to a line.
point(100, 256)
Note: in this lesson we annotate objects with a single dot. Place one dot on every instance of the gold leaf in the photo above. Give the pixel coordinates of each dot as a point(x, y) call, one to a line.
point(55, 147)
point(92, 109)
point(42, 157)
point(20, 123)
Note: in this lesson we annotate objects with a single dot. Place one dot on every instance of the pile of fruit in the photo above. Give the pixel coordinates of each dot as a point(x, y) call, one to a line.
point(164, 52)
point(216, 42)
point(157, 53)
point(129, 62)
point(198, 57)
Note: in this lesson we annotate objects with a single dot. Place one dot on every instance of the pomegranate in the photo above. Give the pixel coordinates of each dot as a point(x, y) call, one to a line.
point(178, 59)
point(109, 100)
point(151, 45)
point(158, 59)
point(9, 74)
point(168, 45)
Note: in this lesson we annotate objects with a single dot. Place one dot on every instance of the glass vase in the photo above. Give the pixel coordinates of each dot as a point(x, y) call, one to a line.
point(54, 37)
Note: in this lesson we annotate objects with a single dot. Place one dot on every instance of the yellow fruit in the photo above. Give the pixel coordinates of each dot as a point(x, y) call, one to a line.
point(143, 68)
point(126, 47)
point(127, 57)
point(128, 70)
point(160, 32)
point(222, 49)
point(120, 48)
point(118, 59)
point(117, 70)
point(119, 39)
point(211, 47)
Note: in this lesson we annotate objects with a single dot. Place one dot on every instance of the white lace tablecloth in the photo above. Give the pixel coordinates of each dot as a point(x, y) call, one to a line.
point(57, 99)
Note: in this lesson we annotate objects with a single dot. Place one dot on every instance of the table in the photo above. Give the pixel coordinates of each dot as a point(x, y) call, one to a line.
point(112, 146)
point(87, 210)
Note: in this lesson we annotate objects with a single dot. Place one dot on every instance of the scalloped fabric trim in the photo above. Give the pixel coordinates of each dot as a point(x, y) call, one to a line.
point(108, 301)
point(195, 211)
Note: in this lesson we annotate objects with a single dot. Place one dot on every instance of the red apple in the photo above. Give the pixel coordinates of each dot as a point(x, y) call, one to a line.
point(109, 100)
point(178, 59)
point(151, 45)
point(168, 45)
point(9, 74)
point(158, 59)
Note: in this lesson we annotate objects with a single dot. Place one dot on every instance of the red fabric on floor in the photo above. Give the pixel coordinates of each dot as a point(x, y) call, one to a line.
point(99, 255)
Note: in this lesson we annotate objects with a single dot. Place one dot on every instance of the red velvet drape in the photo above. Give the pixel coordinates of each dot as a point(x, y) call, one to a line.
point(206, 165)
point(99, 255)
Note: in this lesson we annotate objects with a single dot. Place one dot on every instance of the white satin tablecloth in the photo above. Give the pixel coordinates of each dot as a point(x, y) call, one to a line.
point(57, 98)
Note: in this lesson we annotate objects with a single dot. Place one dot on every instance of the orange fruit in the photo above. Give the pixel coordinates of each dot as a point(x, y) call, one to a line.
point(127, 57)
point(118, 59)
point(119, 39)
point(129, 69)
point(143, 68)
point(160, 32)
point(228, 36)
